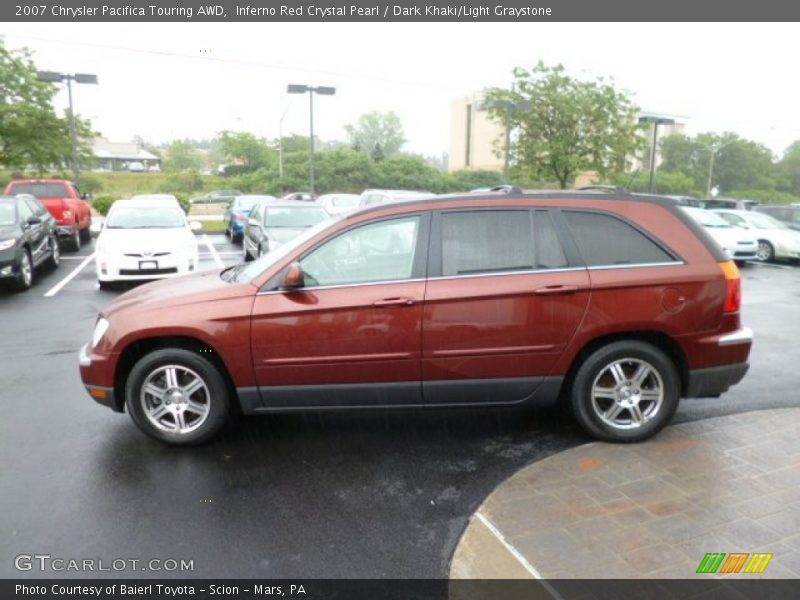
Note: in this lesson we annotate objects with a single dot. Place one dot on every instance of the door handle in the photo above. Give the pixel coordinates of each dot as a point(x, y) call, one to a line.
point(394, 302)
point(553, 290)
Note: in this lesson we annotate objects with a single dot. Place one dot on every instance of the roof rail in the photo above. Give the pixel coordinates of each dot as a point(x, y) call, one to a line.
point(610, 189)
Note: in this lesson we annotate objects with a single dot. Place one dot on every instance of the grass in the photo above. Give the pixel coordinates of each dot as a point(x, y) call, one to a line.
point(213, 226)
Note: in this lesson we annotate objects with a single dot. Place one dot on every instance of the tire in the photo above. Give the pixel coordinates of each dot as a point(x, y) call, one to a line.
point(245, 253)
point(158, 416)
point(24, 278)
point(599, 387)
point(260, 251)
point(55, 253)
point(765, 252)
point(75, 241)
point(85, 235)
point(105, 285)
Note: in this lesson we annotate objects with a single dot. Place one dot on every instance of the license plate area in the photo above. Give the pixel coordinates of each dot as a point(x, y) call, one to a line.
point(148, 265)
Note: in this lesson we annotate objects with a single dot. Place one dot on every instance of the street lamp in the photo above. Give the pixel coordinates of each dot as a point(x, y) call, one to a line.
point(509, 106)
point(54, 77)
point(713, 149)
point(302, 89)
point(280, 143)
point(656, 121)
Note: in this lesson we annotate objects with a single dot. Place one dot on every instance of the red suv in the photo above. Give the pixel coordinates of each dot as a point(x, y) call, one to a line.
point(616, 304)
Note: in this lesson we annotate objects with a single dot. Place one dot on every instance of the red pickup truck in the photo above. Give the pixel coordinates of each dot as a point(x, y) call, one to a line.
point(64, 201)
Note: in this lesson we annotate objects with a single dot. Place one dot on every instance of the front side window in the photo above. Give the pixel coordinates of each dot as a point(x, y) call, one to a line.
point(25, 212)
point(486, 241)
point(382, 251)
point(605, 240)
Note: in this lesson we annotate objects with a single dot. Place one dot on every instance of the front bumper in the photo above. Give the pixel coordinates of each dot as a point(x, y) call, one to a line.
point(8, 263)
point(112, 267)
point(97, 368)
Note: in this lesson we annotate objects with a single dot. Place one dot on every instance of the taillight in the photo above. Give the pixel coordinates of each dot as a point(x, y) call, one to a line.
point(239, 217)
point(67, 214)
point(733, 288)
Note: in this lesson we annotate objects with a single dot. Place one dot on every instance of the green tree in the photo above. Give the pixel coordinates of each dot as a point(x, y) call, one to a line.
point(181, 155)
point(245, 149)
point(31, 133)
point(568, 125)
point(789, 169)
point(409, 173)
point(379, 135)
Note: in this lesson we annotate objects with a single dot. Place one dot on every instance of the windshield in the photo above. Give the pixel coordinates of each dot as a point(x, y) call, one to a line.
point(762, 221)
point(246, 202)
point(290, 216)
point(145, 217)
point(347, 201)
point(8, 214)
point(246, 272)
point(707, 218)
point(41, 190)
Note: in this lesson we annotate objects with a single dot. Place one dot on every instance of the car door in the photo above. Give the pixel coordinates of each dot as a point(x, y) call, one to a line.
point(503, 300)
point(33, 232)
point(252, 229)
point(351, 335)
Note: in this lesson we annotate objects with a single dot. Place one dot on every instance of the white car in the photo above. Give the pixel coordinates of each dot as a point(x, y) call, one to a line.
point(776, 240)
point(143, 240)
point(165, 199)
point(739, 244)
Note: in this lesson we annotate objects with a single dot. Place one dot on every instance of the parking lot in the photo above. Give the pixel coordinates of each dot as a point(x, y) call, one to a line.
point(367, 494)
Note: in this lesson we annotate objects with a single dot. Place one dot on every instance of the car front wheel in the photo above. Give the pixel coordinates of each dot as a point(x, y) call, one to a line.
point(765, 252)
point(626, 391)
point(24, 278)
point(177, 396)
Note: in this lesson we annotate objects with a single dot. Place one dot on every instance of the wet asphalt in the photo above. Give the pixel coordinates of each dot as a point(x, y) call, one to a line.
point(357, 495)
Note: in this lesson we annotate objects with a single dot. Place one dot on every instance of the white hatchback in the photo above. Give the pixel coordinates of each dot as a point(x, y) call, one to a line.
point(739, 244)
point(143, 240)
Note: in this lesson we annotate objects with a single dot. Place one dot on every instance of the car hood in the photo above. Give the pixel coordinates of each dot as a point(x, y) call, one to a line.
point(284, 234)
point(146, 240)
point(9, 231)
point(206, 286)
point(730, 236)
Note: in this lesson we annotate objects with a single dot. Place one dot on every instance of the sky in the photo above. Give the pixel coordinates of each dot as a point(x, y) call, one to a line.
point(165, 81)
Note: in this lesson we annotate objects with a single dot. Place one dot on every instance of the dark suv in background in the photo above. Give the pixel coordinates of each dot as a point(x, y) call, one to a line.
point(615, 304)
point(786, 214)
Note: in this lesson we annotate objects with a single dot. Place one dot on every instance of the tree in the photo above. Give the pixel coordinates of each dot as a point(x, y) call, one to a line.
point(31, 133)
point(568, 126)
point(245, 149)
point(182, 156)
point(789, 169)
point(378, 135)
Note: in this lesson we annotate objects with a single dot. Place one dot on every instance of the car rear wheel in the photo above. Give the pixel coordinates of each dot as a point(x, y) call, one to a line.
point(626, 391)
point(85, 235)
point(24, 278)
point(55, 253)
point(765, 252)
point(177, 396)
point(75, 240)
point(245, 253)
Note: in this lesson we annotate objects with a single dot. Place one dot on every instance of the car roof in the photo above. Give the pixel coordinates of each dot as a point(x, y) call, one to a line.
point(145, 202)
point(292, 204)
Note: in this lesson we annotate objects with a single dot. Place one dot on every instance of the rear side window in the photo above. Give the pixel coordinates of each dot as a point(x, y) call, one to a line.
point(604, 240)
point(496, 241)
point(41, 190)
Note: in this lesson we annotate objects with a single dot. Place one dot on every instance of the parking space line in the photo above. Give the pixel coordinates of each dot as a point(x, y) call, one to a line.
point(213, 251)
point(57, 287)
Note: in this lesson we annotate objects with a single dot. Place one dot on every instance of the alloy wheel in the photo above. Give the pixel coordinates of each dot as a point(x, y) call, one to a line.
point(175, 399)
point(627, 393)
point(26, 270)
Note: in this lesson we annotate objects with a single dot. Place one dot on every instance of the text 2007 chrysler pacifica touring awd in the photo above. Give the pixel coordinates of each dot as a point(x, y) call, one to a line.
point(616, 304)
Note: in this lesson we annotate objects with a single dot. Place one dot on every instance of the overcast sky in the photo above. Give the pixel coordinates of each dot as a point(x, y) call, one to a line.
point(173, 80)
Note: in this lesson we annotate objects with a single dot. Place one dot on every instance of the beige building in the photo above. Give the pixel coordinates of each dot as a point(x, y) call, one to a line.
point(474, 137)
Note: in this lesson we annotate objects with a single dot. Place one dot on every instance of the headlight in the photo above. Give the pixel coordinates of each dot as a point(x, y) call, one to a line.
point(99, 331)
point(7, 244)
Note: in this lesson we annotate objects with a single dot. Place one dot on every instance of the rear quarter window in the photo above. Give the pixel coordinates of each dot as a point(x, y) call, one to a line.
point(605, 240)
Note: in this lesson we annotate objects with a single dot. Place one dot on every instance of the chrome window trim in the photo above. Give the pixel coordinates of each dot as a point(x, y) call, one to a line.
point(670, 263)
point(344, 285)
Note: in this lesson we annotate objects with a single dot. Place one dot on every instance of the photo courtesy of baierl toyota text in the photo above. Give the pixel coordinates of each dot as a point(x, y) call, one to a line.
point(408, 300)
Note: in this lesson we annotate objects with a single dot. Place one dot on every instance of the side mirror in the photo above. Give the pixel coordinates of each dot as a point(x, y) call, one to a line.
point(195, 225)
point(34, 220)
point(294, 278)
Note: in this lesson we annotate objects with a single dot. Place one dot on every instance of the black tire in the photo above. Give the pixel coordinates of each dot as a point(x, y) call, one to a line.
point(766, 251)
point(75, 241)
point(85, 235)
point(55, 253)
point(218, 401)
point(106, 285)
point(247, 256)
point(631, 354)
point(24, 277)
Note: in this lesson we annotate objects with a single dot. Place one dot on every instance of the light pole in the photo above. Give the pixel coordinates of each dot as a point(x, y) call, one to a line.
point(509, 106)
point(302, 89)
point(713, 151)
point(656, 121)
point(54, 77)
point(280, 143)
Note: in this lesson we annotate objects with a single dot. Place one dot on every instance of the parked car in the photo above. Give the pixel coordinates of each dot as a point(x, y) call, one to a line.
point(65, 202)
point(237, 212)
point(377, 197)
point(136, 167)
point(776, 240)
point(789, 215)
point(163, 199)
point(28, 239)
point(298, 197)
point(339, 204)
point(616, 304)
point(731, 203)
point(738, 244)
point(274, 223)
point(216, 196)
point(143, 240)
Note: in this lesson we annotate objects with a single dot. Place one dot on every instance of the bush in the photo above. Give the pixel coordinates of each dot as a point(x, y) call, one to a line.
point(102, 203)
point(184, 182)
point(90, 183)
